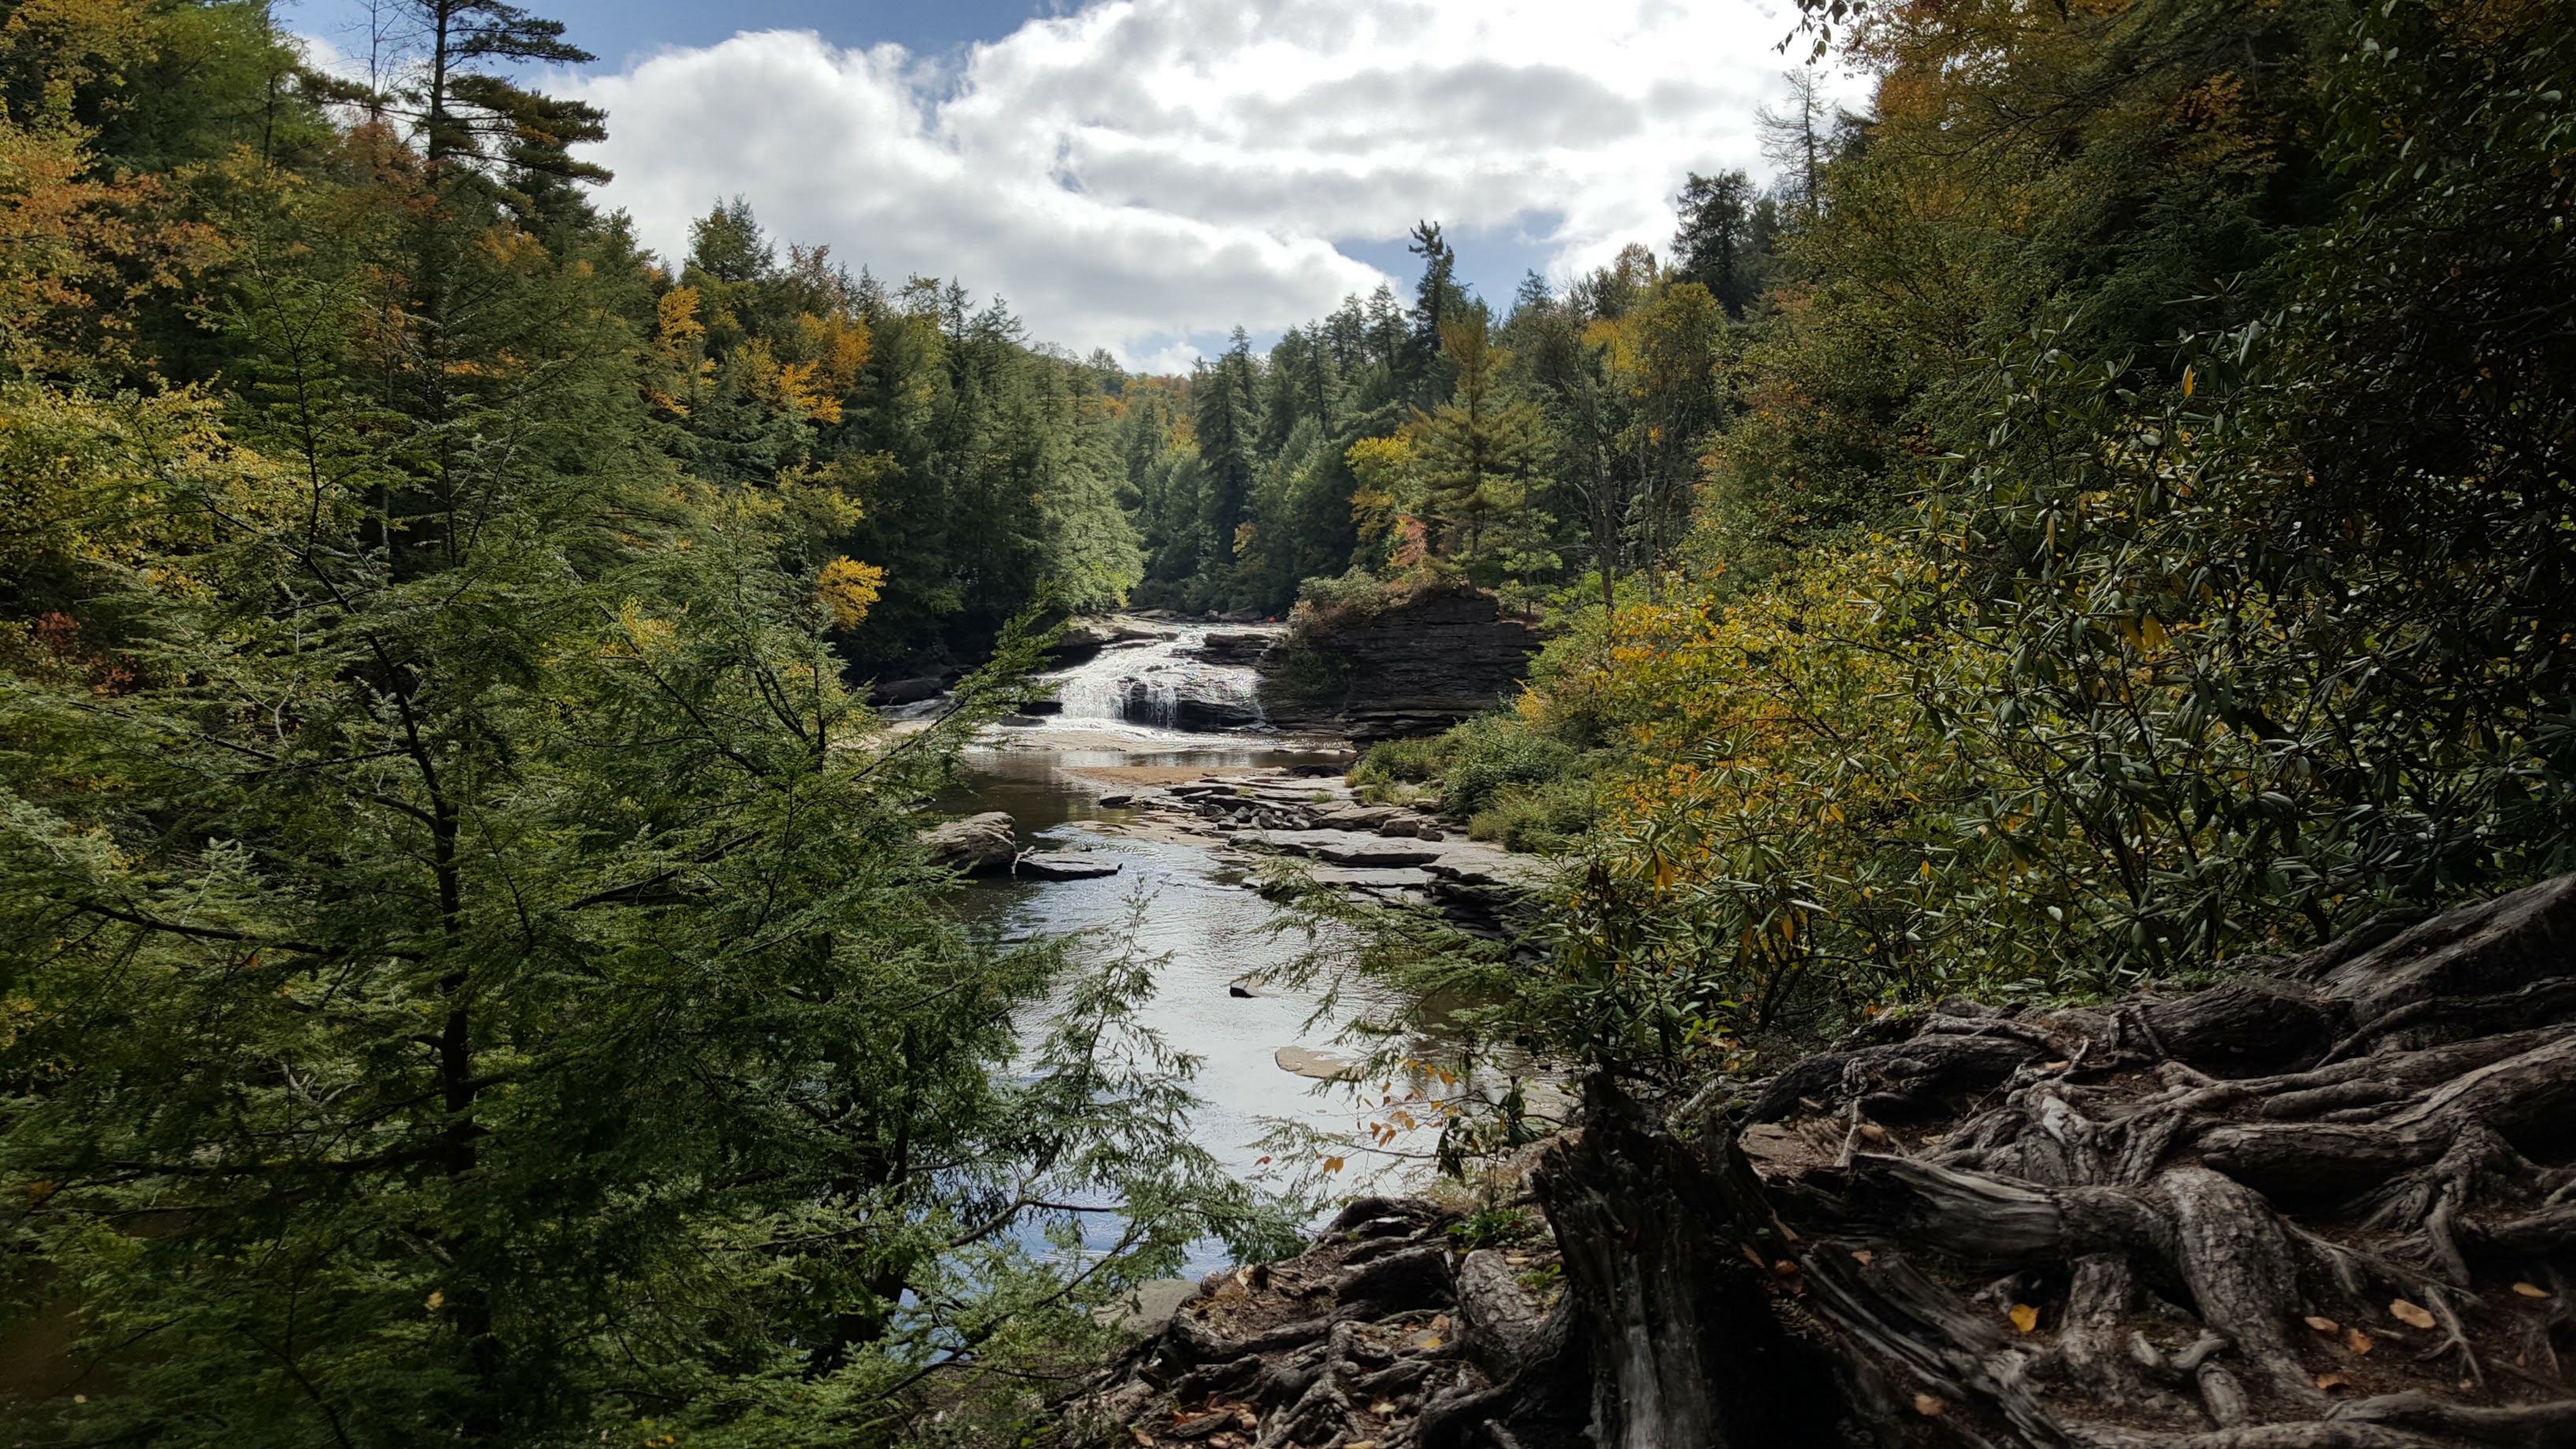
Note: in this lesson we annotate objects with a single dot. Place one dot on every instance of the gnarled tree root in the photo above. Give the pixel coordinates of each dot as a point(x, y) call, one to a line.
point(2328, 1207)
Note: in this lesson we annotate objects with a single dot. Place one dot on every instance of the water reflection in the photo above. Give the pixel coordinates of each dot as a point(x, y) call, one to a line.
point(1213, 931)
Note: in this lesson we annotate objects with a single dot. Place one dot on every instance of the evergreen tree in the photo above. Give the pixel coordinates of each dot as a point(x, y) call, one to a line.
point(1715, 245)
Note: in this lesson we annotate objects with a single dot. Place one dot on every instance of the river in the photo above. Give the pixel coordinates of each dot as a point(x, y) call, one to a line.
point(1049, 773)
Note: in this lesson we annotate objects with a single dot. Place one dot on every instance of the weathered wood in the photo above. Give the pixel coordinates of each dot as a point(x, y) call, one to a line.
point(1685, 1347)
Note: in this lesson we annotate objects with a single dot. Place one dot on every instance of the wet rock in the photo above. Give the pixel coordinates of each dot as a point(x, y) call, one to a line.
point(1065, 865)
point(1322, 1066)
point(1197, 709)
point(978, 842)
point(1116, 802)
point(1242, 991)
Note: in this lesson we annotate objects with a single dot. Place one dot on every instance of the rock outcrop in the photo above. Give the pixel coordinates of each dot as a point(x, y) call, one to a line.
point(1411, 668)
point(1083, 638)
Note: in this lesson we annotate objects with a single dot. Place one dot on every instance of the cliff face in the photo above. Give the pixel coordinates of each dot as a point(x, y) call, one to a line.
point(1413, 668)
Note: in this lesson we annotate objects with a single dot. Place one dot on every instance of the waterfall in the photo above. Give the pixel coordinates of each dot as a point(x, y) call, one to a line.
point(1159, 682)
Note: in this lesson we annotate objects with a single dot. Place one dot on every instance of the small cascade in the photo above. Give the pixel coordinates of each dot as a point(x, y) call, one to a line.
point(1162, 683)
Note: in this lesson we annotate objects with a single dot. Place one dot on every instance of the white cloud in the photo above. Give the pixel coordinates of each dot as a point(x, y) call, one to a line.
point(1148, 172)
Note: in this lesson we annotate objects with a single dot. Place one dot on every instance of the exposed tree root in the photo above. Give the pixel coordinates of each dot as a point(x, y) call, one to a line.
point(2326, 1207)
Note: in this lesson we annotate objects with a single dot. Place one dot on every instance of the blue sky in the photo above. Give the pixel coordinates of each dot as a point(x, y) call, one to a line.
point(1144, 175)
point(620, 31)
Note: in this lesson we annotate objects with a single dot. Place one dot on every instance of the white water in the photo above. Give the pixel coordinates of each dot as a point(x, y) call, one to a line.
point(1144, 683)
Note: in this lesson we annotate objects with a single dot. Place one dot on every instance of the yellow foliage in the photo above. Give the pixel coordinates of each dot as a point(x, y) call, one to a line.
point(676, 318)
point(838, 346)
point(849, 588)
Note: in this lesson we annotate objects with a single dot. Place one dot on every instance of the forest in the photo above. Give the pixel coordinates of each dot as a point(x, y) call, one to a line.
point(2093, 520)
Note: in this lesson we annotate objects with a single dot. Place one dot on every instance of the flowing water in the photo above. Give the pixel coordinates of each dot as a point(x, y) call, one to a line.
point(1145, 683)
point(1113, 736)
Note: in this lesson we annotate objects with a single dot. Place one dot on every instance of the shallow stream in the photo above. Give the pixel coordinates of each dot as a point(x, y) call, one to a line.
point(1049, 774)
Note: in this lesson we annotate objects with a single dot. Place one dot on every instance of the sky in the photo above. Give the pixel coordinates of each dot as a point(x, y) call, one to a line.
point(1145, 175)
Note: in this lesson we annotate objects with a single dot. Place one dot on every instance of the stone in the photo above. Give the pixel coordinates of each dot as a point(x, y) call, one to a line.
point(908, 691)
point(1116, 802)
point(1198, 710)
point(1242, 991)
point(1402, 827)
point(1065, 865)
point(978, 842)
point(1322, 1066)
point(1362, 852)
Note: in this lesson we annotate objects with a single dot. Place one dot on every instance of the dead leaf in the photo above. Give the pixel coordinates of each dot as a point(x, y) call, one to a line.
point(1440, 1323)
point(1382, 1408)
point(2530, 1290)
point(2410, 1314)
point(2332, 1381)
point(1785, 1268)
point(1864, 1257)
point(1926, 1405)
point(2025, 1317)
point(1751, 1256)
point(2324, 1325)
point(2357, 1341)
point(1427, 1344)
point(2054, 1066)
point(1361, 1444)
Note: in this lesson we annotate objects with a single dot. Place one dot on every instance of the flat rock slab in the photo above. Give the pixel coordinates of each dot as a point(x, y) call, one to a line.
point(1380, 854)
point(1322, 1066)
point(1065, 865)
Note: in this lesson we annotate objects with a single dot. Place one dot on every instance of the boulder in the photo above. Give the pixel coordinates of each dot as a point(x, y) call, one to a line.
point(908, 691)
point(978, 842)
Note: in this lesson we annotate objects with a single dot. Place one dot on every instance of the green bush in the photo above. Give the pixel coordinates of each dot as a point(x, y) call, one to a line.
point(1538, 819)
point(1493, 752)
point(1514, 783)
